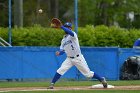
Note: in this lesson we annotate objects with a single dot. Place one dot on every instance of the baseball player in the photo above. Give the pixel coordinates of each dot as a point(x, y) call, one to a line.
point(70, 46)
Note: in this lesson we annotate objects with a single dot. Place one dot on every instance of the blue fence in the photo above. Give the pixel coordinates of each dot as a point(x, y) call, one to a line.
point(41, 62)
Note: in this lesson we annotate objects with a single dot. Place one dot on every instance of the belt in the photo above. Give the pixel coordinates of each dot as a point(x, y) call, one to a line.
point(75, 56)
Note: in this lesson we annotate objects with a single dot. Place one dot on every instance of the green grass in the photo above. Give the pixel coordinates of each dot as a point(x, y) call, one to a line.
point(71, 83)
point(83, 91)
point(66, 83)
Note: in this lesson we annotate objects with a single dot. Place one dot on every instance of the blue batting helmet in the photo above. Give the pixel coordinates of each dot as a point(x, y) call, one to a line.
point(68, 24)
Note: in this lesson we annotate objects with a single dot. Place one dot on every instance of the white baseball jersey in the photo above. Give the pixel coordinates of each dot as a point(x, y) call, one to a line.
point(70, 45)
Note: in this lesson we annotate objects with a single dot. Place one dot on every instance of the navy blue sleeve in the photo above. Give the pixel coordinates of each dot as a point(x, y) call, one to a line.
point(67, 30)
point(61, 52)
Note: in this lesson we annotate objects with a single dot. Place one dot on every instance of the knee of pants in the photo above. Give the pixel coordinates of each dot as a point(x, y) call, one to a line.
point(61, 71)
point(89, 75)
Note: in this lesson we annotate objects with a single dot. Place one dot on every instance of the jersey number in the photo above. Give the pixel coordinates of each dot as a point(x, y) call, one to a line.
point(72, 47)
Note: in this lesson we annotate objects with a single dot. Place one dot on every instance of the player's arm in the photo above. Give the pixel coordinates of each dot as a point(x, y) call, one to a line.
point(70, 32)
point(60, 52)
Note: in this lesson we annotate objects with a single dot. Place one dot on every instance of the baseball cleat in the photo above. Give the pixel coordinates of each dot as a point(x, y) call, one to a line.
point(104, 82)
point(51, 86)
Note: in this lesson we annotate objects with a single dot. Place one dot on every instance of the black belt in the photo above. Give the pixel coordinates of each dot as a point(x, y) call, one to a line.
point(74, 57)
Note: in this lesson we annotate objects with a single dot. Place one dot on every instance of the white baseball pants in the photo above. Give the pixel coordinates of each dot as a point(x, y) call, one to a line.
point(79, 62)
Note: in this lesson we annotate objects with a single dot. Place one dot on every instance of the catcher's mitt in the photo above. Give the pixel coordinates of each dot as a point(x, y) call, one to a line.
point(56, 23)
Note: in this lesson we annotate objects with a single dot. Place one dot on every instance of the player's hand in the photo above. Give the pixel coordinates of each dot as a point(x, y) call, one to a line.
point(57, 53)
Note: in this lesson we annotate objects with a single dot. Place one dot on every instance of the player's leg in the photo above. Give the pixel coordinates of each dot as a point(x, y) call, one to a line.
point(55, 78)
point(82, 66)
point(66, 65)
point(101, 79)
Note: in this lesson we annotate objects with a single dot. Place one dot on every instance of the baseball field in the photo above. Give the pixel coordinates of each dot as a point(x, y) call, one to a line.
point(131, 86)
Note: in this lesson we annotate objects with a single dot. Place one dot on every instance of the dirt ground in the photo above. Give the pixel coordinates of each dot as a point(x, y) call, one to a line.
point(68, 88)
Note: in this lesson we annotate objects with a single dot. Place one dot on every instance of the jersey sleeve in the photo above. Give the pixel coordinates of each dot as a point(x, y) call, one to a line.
point(75, 35)
point(70, 32)
point(61, 47)
point(62, 51)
